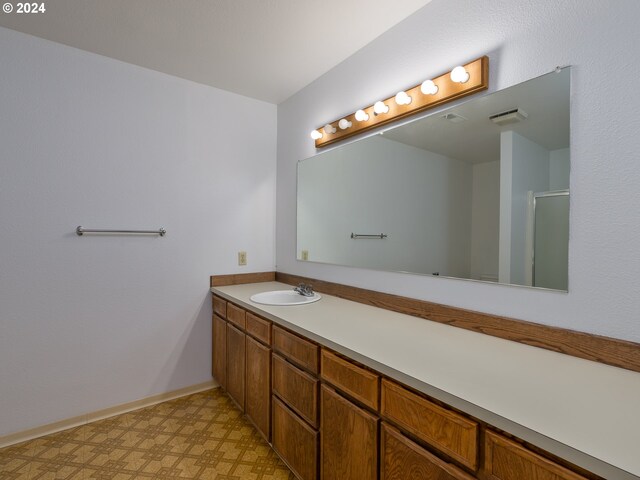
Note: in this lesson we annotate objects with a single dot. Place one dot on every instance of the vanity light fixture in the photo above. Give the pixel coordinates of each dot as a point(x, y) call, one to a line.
point(428, 87)
point(362, 116)
point(329, 129)
point(402, 98)
point(380, 107)
point(463, 80)
point(344, 124)
point(459, 75)
point(316, 134)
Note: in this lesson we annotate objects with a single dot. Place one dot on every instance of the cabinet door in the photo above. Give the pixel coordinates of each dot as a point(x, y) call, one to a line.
point(258, 396)
point(348, 439)
point(235, 364)
point(402, 459)
point(295, 441)
point(219, 354)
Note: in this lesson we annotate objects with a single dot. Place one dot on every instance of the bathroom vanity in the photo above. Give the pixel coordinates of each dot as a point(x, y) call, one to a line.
point(343, 390)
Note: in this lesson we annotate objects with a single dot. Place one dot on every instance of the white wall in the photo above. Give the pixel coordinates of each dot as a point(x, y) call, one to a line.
point(485, 216)
point(420, 199)
point(523, 39)
point(91, 322)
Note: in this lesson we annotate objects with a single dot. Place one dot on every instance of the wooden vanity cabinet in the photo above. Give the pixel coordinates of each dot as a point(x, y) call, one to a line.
point(348, 439)
point(241, 360)
point(350, 423)
point(236, 365)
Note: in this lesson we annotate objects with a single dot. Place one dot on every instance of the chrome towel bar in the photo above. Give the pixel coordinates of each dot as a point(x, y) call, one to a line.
point(161, 231)
point(364, 235)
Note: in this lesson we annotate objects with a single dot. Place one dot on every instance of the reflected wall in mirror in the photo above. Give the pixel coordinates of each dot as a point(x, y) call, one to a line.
point(477, 191)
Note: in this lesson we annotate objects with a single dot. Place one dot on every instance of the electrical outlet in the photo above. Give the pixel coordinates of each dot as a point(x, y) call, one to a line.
point(305, 254)
point(242, 258)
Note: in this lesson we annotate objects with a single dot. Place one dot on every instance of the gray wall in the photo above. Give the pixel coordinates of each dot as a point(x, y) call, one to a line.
point(485, 216)
point(523, 39)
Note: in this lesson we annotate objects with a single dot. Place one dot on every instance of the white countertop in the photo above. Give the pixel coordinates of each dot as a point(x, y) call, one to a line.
point(585, 412)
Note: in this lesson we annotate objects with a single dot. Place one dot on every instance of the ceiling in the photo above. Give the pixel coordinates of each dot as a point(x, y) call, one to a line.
point(265, 49)
point(477, 140)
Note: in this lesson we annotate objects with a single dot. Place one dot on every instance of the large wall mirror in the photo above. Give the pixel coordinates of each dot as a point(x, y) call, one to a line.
point(477, 191)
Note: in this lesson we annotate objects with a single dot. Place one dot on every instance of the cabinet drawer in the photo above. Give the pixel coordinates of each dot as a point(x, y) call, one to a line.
point(401, 459)
point(507, 460)
point(446, 430)
point(357, 382)
point(259, 328)
point(220, 306)
point(295, 441)
point(297, 388)
point(236, 315)
point(298, 350)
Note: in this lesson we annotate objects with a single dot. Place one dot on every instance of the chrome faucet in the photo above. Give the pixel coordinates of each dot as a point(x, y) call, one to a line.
point(305, 290)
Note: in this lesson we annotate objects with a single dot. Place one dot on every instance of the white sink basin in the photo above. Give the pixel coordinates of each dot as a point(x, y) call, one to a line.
point(283, 297)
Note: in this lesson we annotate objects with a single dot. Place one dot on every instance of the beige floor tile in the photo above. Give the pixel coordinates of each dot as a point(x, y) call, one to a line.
point(202, 436)
point(12, 468)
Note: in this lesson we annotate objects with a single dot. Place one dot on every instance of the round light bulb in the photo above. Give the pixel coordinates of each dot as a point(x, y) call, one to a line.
point(428, 87)
point(402, 98)
point(316, 135)
point(379, 107)
point(362, 116)
point(459, 75)
point(329, 129)
point(344, 124)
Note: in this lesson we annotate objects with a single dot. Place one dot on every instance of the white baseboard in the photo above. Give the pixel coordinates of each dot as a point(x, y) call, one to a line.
point(23, 436)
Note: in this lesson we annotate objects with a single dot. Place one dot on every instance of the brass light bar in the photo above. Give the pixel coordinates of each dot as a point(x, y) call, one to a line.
point(448, 90)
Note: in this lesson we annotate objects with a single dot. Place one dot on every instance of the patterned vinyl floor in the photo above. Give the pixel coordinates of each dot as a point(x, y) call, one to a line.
point(202, 436)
